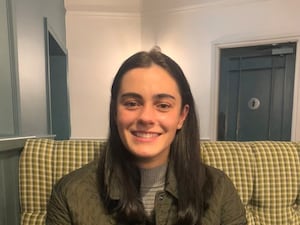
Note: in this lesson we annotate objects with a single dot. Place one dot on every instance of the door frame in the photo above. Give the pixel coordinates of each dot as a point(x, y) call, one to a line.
point(217, 46)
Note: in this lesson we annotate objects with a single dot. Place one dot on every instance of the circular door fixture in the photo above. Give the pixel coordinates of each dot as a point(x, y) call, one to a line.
point(253, 103)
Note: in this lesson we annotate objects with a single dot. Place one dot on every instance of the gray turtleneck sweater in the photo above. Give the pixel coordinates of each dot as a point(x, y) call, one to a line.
point(152, 181)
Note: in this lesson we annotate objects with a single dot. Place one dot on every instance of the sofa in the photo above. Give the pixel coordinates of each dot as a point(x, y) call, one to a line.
point(266, 175)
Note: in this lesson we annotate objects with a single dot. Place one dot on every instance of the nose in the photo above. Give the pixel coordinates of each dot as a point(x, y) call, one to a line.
point(147, 115)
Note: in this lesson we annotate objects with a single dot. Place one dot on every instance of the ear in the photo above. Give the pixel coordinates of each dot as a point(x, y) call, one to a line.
point(183, 115)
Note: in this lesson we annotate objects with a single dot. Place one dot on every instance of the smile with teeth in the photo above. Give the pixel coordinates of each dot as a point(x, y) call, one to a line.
point(145, 134)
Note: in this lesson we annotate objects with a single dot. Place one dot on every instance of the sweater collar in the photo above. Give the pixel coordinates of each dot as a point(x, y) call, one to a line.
point(115, 188)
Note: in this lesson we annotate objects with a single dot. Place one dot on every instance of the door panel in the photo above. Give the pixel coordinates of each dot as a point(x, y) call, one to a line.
point(253, 123)
point(288, 97)
point(277, 113)
point(256, 92)
point(233, 84)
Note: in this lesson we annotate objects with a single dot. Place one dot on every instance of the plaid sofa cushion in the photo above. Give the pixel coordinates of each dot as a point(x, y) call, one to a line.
point(42, 163)
point(237, 161)
point(35, 180)
point(297, 203)
point(277, 183)
point(73, 154)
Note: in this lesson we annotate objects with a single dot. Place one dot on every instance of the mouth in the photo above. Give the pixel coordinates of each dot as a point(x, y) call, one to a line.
point(141, 134)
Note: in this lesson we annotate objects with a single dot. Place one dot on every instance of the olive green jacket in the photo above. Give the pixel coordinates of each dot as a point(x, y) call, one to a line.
point(75, 200)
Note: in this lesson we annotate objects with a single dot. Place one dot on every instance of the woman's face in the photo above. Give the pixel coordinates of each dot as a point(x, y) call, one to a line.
point(149, 114)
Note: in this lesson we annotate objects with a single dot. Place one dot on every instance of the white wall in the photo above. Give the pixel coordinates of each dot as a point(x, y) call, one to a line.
point(191, 34)
point(97, 45)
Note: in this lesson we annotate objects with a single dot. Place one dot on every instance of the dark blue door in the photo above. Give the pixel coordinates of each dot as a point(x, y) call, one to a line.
point(256, 92)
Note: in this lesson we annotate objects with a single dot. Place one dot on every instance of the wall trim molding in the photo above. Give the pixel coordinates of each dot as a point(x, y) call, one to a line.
point(13, 143)
point(104, 14)
point(98, 9)
point(197, 6)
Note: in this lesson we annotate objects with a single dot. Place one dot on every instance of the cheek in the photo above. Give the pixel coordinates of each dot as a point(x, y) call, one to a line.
point(123, 118)
point(170, 121)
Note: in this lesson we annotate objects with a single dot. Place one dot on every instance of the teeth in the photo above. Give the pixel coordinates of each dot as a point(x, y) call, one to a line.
point(145, 135)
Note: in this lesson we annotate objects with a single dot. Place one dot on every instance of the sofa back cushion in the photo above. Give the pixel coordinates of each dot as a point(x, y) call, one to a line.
point(277, 183)
point(237, 161)
point(265, 174)
point(73, 154)
point(35, 180)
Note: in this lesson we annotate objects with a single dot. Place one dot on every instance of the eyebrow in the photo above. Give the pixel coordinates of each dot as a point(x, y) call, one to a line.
point(138, 96)
point(163, 95)
point(130, 95)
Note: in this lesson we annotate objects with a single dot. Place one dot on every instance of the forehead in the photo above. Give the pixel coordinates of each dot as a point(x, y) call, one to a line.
point(149, 79)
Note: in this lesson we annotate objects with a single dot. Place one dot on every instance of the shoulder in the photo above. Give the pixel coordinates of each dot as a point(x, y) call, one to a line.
point(219, 178)
point(222, 184)
point(78, 180)
point(75, 199)
point(224, 201)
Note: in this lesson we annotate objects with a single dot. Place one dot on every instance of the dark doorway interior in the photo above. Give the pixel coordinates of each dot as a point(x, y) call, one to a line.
point(256, 92)
point(58, 91)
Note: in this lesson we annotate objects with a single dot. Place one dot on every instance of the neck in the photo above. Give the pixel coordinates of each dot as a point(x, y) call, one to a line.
point(153, 176)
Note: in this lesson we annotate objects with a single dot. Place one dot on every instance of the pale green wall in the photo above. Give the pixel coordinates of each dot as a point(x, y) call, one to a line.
point(6, 98)
point(23, 85)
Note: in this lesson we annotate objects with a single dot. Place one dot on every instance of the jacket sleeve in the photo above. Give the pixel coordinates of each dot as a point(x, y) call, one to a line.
point(232, 209)
point(57, 209)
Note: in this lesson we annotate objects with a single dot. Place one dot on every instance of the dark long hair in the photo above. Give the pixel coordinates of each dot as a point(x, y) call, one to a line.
point(184, 153)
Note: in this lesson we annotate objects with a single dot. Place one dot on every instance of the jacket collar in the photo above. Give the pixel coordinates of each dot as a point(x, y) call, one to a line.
point(171, 182)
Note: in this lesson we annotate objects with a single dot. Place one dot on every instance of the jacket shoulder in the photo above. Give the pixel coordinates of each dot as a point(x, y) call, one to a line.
point(79, 178)
point(218, 176)
point(225, 201)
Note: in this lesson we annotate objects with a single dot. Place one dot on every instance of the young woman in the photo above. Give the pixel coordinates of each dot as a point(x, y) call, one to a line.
point(151, 171)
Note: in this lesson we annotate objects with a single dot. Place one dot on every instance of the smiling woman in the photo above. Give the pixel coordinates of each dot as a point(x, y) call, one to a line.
point(150, 171)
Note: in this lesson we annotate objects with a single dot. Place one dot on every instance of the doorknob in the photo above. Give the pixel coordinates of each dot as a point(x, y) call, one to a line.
point(253, 103)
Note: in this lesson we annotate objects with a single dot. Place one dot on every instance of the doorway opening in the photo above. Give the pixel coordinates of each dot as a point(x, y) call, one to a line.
point(256, 90)
point(57, 87)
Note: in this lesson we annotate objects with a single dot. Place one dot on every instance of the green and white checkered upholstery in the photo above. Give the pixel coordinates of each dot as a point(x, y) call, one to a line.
point(265, 174)
point(42, 163)
point(276, 189)
point(35, 180)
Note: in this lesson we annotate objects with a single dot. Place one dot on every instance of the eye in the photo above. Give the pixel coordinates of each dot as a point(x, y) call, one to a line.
point(164, 106)
point(131, 104)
